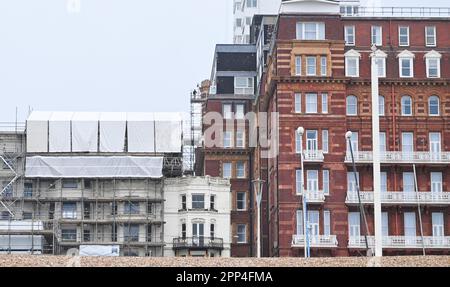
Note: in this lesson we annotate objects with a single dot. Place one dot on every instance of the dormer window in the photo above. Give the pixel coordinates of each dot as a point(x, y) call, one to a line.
point(433, 63)
point(406, 64)
point(352, 63)
point(380, 61)
point(310, 31)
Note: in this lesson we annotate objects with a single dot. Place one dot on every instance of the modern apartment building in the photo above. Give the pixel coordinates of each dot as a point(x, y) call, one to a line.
point(197, 215)
point(318, 77)
point(243, 12)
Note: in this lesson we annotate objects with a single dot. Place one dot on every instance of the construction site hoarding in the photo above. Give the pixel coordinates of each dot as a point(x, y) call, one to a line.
point(37, 131)
point(85, 132)
point(93, 167)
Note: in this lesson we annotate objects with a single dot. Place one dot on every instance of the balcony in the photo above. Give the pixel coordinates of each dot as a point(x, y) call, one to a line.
point(401, 157)
point(318, 241)
point(313, 156)
point(436, 242)
point(414, 12)
point(400, 197)
point(199, 243)
point(314, 196)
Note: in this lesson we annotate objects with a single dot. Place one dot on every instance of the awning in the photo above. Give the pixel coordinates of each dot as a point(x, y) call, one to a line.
point(93, 167)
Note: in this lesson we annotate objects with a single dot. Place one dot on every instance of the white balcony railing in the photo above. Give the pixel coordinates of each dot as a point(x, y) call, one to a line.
point(440, 242)
point(313, 156)
point(415, 12)
point(314, 196)
point(400, 197)
point(317, 241)
point(401, 157)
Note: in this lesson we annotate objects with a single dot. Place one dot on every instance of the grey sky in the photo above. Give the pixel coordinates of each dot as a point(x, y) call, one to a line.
point(114, 55)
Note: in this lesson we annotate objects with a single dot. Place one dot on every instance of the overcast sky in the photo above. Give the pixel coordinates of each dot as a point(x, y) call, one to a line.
point(111, 55)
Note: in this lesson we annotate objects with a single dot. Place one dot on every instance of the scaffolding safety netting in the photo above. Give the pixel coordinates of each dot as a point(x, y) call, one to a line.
point(104, 132)
point(93, 167)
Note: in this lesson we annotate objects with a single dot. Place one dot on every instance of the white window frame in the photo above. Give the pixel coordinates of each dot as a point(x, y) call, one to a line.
point(248, 89)
point(308, 73)
point(227, 170)
point(243, 200)
point(438, 106)
point(242, 233)
point(382, 136)
point(411, 66)
point(381, 106)
point(347, 105)
point(403, 105)
point(324, 103)
point(409, 218)
point(298, 181)
point(379, 40)
point(312, 143)
point(408, 182)
point(347, 35)
point(351, 184)
point(240, 167)
point(298, 141)
point(298, 65)
point(325, 144)
point(385, 223)
point(438, 67)
point(311, 105)
point(434, 37)
point(323, 66)
point(240, 139)
point(436, 181)
point(240, 111)
point(326, 222)
point(298, 103)
point(381, 68)
point(348, 60)
point(319, 30)
point(326, 181)
point(299, 219)
point(437, 222)
point(406, 145)
point(227, 114)
point(227, 139)
point(400, 36)
point(383, 181)
point(312, 180)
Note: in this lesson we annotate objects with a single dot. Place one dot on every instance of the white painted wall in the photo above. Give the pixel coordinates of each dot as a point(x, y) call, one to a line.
point(174, 188)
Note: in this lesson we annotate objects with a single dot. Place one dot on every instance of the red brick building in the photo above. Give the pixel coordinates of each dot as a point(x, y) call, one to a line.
point(318, 77)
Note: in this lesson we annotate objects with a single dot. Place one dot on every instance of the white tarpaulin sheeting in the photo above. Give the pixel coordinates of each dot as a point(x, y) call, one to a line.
point(112, 132)
point(59, 132)
point(79, 132)
point(168, 131)
point(93, 167)
point(37, 131)
point(99, 250)
point(85, 132)
point(141, 132)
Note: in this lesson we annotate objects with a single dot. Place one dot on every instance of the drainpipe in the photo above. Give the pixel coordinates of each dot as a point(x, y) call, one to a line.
point(250, 189)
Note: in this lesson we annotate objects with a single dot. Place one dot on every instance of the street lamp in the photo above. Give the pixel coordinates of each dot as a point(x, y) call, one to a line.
point(300, 132)
point(258, 186)
point(375, 56)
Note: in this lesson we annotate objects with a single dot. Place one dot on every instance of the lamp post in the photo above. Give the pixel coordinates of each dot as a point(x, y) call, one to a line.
point(376, 152)
point(300, 132)
point(258, 185)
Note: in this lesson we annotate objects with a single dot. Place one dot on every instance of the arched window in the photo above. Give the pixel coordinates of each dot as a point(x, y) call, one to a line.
point(433, 105)
point(352, 106)
point(406, 106)
point(381, 105)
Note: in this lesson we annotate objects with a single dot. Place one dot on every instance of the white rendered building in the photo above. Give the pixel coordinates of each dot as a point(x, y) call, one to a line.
point(197, 215)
